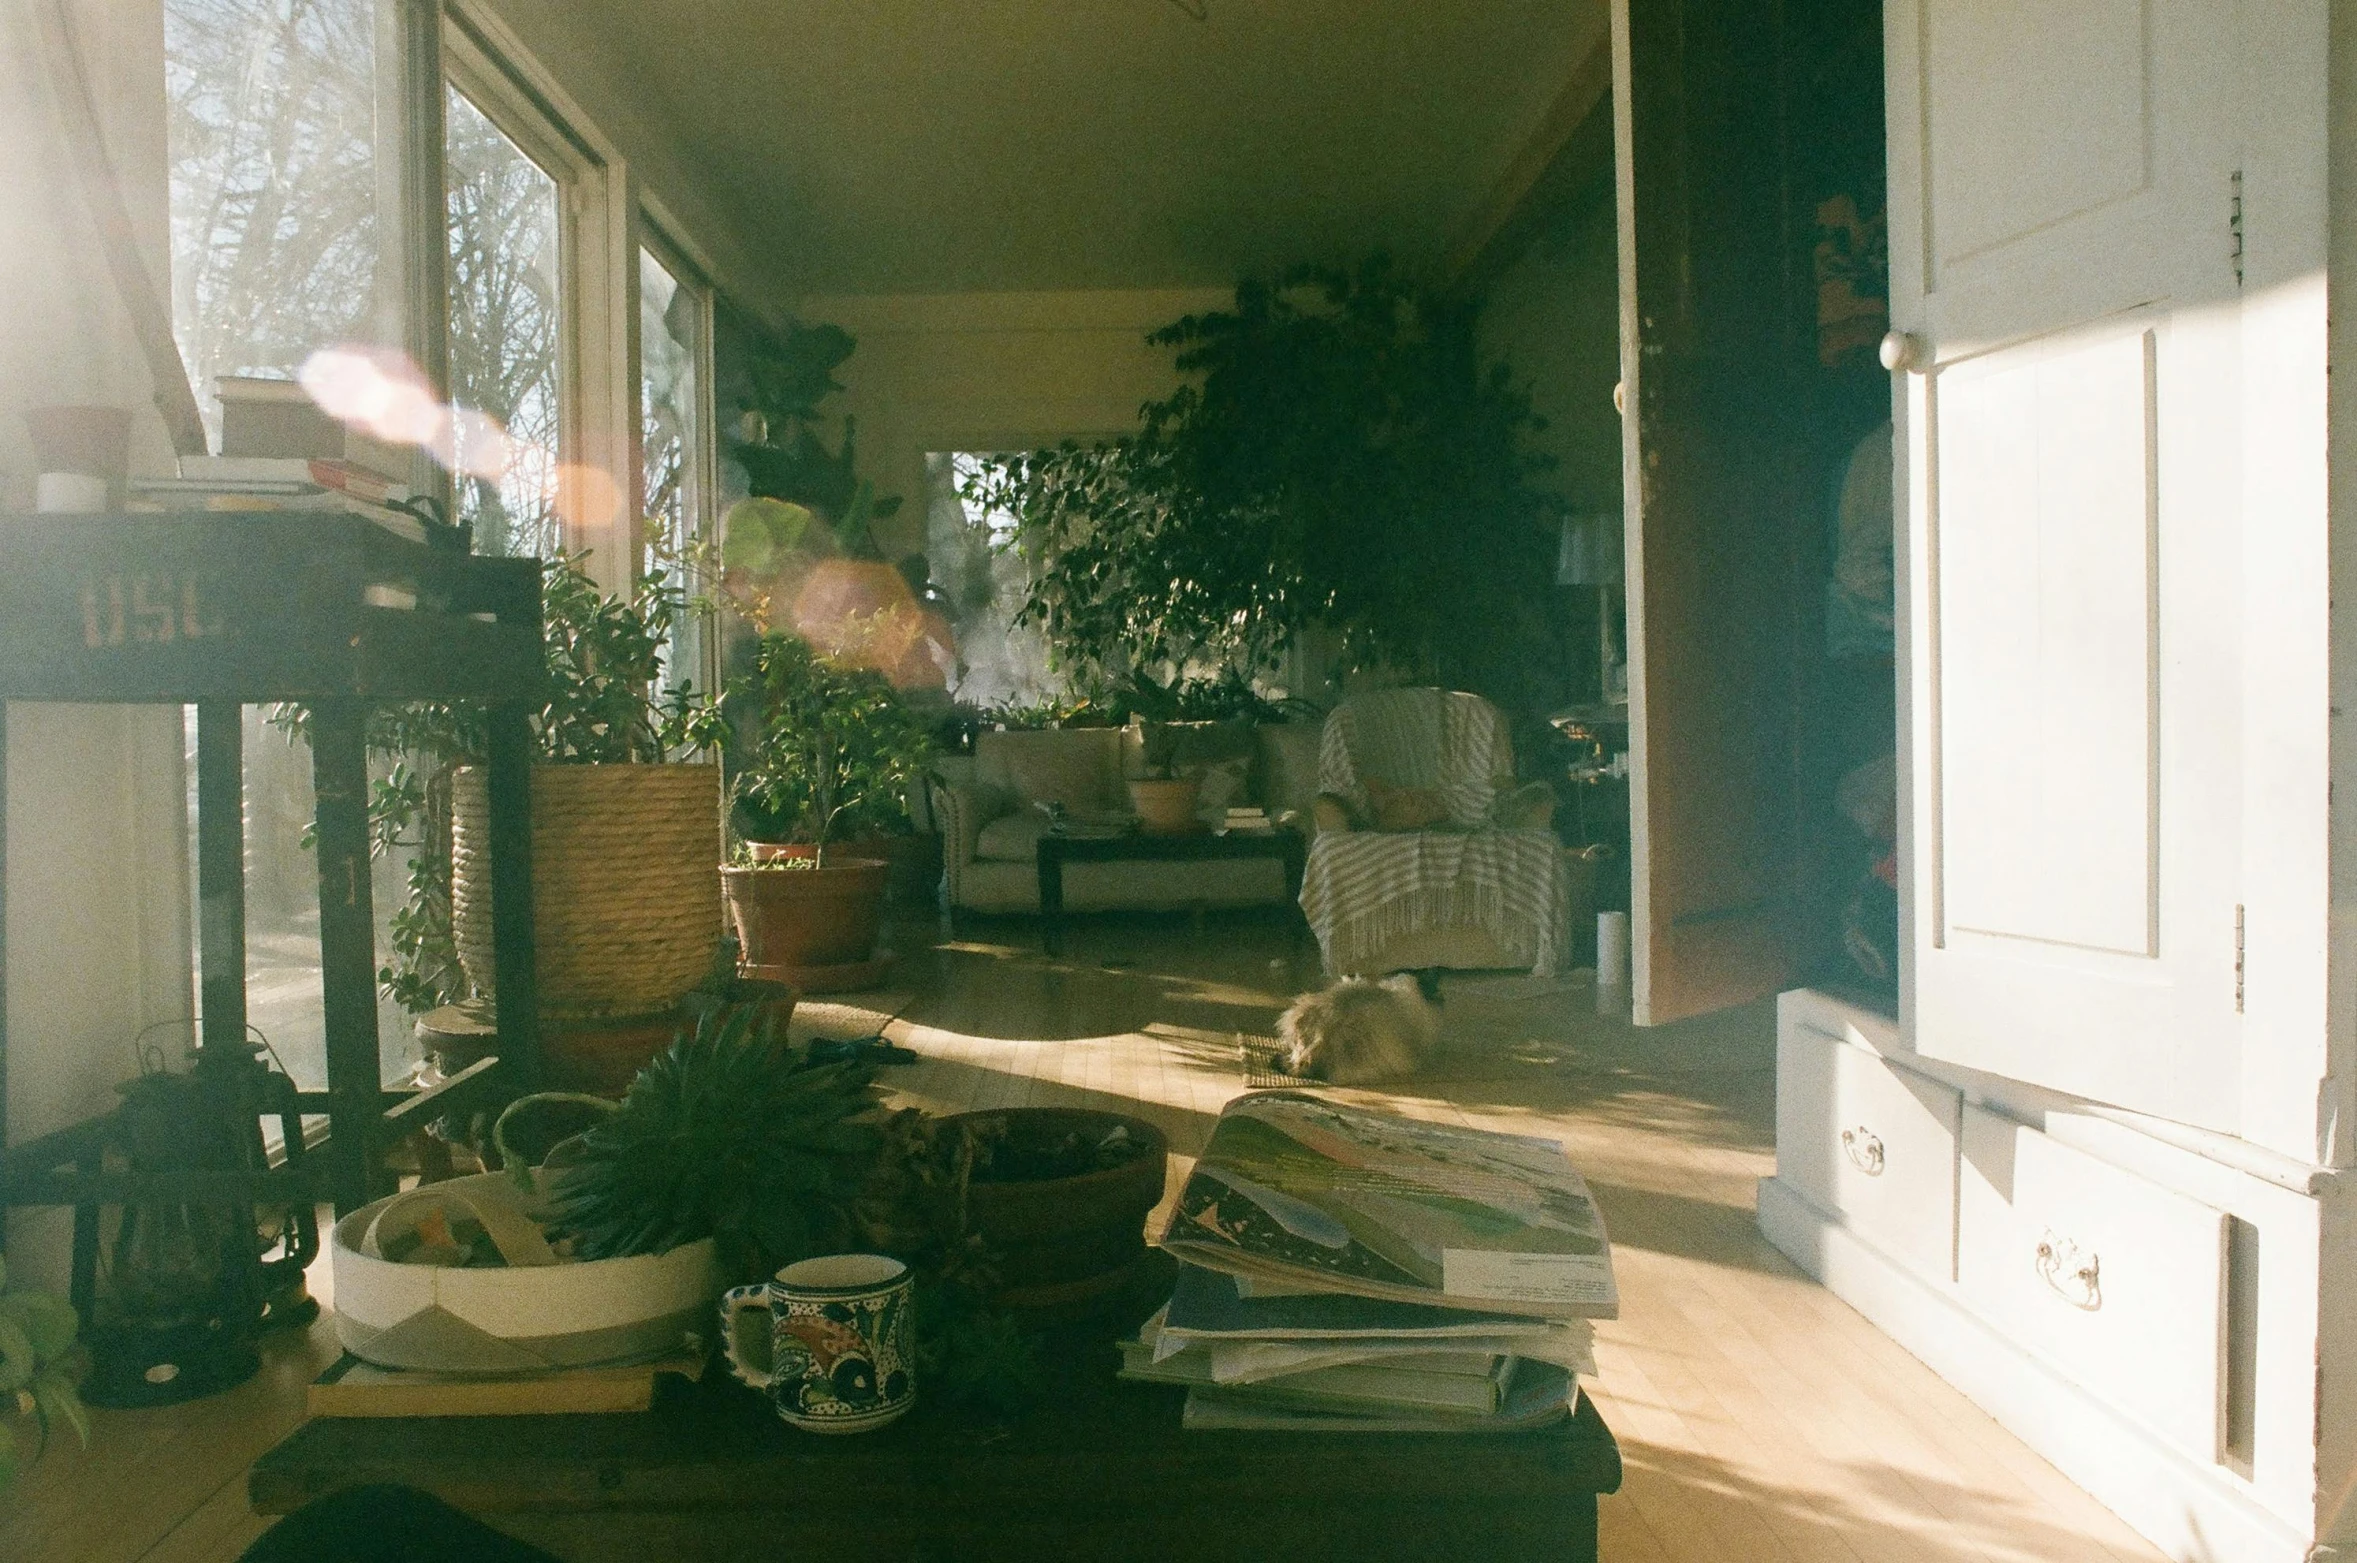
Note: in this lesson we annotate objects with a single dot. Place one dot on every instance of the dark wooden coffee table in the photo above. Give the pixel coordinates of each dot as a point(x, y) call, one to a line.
point(1101, 1470)
point(1137, 846)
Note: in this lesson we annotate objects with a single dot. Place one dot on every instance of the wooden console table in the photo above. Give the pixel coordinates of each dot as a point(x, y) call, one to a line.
point(1100, 1470)
point(1285, 845)
point(335, 612)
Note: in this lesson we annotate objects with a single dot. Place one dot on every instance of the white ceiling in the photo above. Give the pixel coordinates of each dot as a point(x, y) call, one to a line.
point(922, 146)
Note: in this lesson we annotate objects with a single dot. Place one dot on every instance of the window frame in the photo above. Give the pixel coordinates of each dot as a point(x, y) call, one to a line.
point(689, 273)
point(597, 261)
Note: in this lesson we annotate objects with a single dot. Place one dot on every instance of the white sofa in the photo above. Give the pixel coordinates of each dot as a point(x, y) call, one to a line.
point(987, 809)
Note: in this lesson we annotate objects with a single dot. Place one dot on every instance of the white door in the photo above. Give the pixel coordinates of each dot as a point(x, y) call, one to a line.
point(2063, 219)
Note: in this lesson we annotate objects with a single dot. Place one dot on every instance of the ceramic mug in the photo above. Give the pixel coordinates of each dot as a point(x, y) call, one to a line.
point(832, 1341)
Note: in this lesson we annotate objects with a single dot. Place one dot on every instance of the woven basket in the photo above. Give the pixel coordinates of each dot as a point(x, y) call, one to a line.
point(625, 903)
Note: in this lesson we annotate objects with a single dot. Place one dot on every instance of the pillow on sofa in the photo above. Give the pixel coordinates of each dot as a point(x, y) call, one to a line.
point(1074, 769)
point(1405, 808)
point(1012, 838)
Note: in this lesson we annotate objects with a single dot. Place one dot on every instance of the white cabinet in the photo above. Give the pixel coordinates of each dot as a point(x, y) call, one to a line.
point(2117, 1283)
point(1871, 1143)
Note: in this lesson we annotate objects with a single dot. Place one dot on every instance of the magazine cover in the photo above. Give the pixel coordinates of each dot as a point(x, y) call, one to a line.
point(1292, 1187)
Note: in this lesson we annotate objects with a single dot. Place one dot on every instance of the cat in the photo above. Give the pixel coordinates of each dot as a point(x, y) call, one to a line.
point(1361, 1031)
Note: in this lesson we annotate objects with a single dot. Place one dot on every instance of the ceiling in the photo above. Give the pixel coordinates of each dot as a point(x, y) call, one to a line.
point(935, 146)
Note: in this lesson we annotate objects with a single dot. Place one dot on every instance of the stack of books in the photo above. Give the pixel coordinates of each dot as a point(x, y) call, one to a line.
point(1356, 1271)
point(247, 483)
point(1247, 817)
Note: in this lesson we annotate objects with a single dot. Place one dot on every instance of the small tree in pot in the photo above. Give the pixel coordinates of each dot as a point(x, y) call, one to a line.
point(831, 751)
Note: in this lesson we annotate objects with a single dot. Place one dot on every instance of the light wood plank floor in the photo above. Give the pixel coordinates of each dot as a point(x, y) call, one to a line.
point(1759, 1418)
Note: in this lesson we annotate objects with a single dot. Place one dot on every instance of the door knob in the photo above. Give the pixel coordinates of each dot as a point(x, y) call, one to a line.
point(1903, 352)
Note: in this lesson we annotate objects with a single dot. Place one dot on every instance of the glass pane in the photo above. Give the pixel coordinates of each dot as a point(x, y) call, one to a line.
point(274, 176)
point(506, 324)
point(272, 129)
point(669, 417)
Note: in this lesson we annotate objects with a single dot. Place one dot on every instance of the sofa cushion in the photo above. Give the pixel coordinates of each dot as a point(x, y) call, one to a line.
point(1405, 808)
point(1012, 838)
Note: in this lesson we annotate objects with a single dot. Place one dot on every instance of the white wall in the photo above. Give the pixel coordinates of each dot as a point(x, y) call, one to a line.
point(1554, 316)
point(97, 930)
point(994, 371)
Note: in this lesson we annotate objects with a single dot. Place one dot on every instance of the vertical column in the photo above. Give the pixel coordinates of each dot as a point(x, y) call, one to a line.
point(220, 876)
point(516, 987)
point(411, 117)
point(347, 946)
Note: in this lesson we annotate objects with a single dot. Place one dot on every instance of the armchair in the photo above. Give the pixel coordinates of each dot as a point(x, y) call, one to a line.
point(1426, 853)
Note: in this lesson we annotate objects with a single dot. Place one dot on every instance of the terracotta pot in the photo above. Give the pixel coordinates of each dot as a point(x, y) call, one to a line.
point(806, 917)
point(1166, 807)
point(1066, 1245)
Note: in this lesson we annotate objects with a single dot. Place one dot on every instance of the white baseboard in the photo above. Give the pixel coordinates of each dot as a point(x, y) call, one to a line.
point(2192, 1513)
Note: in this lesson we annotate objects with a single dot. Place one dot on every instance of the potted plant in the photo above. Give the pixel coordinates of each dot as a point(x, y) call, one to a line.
point(37, 1362)
point(831, 750)
point(624, 822)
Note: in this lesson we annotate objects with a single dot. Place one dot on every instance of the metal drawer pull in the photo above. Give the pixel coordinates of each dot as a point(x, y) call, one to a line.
point(1864, 1149)
point(2077, 1277)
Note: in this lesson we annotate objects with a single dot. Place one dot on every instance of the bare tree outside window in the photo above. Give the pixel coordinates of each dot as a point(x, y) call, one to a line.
point(272, 107)
point(506, 324)
point(277, 252)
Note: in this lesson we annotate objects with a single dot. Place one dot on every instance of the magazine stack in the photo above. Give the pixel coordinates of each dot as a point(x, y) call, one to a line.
point(1353, 1271)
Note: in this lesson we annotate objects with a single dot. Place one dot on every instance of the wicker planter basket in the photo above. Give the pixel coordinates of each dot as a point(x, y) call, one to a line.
point(625, 910)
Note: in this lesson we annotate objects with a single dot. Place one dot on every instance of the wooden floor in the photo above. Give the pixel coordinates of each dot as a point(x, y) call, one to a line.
point(1760, 1419)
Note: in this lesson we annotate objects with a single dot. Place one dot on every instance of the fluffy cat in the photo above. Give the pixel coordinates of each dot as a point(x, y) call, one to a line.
point(1359, 1031)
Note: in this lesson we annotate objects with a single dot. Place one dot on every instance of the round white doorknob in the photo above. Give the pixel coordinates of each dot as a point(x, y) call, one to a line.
point(1903, 352)
point(1620, 397)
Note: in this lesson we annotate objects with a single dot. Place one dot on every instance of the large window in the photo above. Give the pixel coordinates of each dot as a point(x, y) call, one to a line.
point(274, 183)
point(507, 322)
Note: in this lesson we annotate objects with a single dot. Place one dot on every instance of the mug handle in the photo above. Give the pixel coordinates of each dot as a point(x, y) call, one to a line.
point(750, 1358)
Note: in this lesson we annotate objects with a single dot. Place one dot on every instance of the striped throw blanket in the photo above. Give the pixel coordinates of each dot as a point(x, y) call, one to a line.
point(1364, 889)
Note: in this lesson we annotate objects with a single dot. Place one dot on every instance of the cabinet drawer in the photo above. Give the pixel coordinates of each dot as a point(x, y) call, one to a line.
point(1870, 1142)
point(2117, 1282)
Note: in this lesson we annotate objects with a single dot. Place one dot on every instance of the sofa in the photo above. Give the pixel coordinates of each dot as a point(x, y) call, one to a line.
point(991, 808)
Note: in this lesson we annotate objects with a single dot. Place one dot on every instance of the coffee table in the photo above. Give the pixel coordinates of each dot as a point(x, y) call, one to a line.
point(1138, 846)
point(1100, 1470)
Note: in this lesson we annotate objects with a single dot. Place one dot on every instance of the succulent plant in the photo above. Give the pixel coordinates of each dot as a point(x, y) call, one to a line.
point(730, 1133)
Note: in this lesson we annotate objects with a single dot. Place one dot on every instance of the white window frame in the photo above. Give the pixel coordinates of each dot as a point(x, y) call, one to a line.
point(688, 268)
point(597, 257)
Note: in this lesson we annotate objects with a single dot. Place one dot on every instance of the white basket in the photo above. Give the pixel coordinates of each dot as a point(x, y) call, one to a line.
point(537, 1313)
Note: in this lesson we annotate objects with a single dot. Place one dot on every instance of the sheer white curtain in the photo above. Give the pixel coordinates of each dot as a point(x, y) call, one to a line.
point(97, 930)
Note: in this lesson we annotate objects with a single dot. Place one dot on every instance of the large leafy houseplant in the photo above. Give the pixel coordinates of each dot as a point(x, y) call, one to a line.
point(1339, 455)
point(784, 450)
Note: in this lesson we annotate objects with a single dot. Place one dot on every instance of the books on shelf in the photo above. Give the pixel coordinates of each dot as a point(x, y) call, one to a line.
point(272, 483)
point(1346, 1270)
point(1292, 1188)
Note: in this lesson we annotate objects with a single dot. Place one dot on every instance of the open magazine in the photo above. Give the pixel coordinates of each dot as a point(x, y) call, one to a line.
point(1292, 1188)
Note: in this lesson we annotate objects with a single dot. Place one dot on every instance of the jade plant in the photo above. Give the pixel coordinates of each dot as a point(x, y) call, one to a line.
point(829, 750)
point(37, 1363)
point(606, 702)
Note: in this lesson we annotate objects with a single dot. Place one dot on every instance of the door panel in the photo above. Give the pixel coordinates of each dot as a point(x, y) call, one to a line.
point(2042, 534)
point(2070, 445)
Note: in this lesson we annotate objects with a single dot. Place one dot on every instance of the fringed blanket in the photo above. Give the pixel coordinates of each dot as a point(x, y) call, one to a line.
point(1365, 889)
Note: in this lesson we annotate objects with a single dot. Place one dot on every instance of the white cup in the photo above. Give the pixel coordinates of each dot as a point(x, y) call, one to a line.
point(1612, 949)
point(69, 493)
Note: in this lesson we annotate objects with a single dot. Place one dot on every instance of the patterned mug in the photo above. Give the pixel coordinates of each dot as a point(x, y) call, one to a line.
point(832, 1341)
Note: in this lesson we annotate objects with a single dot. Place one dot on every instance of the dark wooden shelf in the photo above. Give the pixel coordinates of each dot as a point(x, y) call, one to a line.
point(222, 610)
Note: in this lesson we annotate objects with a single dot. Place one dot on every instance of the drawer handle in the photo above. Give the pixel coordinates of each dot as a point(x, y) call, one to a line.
point(1864, 1149)
point(2075, 1276)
